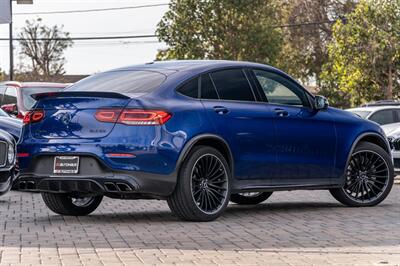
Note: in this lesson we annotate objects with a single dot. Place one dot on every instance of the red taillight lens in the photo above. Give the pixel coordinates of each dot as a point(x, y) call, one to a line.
point(33, 116)
point(108, 115)
point(143, 117)
point(134, 117)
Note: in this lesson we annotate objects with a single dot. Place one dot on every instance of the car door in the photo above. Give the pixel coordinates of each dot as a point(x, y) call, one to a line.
point(245, 123)
point(305, 138)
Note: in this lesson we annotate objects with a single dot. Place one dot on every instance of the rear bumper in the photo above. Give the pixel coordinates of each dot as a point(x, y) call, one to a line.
point(94, 177)
point(116, 185)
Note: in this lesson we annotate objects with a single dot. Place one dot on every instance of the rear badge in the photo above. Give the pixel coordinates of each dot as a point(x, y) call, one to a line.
point(66, 164)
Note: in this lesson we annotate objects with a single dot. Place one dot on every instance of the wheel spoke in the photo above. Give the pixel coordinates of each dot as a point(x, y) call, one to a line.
point(209, 183)
point(367, 176)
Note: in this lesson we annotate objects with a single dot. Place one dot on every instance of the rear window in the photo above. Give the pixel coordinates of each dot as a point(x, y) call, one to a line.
point(28, 101)
point(121, 81)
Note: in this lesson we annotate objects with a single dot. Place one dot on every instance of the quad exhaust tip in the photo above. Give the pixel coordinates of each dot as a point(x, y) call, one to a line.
point(27, 185)
point(117, 187)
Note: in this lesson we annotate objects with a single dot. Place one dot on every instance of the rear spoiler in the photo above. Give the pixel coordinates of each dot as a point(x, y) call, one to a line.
point(61, 94)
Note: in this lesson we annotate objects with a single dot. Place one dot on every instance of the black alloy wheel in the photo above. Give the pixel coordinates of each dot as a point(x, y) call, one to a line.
point(202, 191)
point(209, 183)
point(369, 177)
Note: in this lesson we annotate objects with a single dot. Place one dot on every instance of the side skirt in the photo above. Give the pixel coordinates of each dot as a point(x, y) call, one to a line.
point(257, 186)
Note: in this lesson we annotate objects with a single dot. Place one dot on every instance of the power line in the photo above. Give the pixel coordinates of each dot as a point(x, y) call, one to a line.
point(90, 10)
point(152, 35)
point(84, 38)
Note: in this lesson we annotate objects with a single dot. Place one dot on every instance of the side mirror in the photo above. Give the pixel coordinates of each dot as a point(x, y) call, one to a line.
point(10, 109)
point(320, 102)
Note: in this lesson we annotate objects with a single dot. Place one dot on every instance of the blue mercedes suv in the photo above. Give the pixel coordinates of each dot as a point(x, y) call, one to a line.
point(198, 134)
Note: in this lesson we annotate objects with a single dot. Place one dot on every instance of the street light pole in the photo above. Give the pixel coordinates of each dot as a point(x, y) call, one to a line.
point(11, 46)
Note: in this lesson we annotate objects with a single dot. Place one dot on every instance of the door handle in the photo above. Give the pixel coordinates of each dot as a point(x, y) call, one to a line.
point(221, 110)
point(280, 112)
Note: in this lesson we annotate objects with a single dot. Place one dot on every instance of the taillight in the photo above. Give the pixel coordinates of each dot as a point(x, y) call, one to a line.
point(108, 115)
point(143, 117)
point(133, 116)
point(33, 116)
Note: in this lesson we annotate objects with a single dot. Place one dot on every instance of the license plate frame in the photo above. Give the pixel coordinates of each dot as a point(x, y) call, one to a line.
point(66, 164)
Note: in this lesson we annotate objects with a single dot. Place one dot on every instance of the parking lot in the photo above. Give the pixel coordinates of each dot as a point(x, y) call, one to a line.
point(291, 228)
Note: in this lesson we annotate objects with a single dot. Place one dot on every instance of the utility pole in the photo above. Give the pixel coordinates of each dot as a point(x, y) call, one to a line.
point(11, 46)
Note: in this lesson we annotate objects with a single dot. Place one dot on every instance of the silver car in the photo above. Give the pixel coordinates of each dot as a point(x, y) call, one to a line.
point(7, 161)
point(392, 131)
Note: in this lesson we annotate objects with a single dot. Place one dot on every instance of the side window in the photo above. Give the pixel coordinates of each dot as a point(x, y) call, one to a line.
point(383, 117)
point(207, 88)
point(232, 85)
point(190, 89)
point(397, 112)
point(279, 90)
point(2, 90)
point(10, 96)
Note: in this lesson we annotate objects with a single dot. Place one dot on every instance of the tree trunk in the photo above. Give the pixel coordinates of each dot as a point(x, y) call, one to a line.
point(389, 89)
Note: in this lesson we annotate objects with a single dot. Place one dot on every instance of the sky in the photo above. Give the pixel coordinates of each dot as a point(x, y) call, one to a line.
point(88, 57)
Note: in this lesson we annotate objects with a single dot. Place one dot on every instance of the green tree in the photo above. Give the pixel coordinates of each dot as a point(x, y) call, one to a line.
point(307, 32)
point(221, 29)
point(364, 55)
point(46, 56)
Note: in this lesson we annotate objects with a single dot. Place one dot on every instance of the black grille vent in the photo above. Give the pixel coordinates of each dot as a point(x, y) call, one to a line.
point(394, 144)
point(3, 153)
point(396, 163)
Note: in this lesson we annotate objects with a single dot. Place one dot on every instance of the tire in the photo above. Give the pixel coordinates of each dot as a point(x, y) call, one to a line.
point(199, 195)
point(64, 204)
point(242, 199)
point(373, 182)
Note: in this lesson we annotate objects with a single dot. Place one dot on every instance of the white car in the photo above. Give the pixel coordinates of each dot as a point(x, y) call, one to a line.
point(383, 115)
point(392, 131)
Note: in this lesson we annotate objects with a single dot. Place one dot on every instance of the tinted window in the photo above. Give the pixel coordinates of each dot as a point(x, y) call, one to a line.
point(398, 115)
point(279, 90)
point(383, 117)
point(28, 101)
point(2, 90)
point(190, 89)
point(10, 96)
point(232, 85)
point(207, 88)
point(121, 81)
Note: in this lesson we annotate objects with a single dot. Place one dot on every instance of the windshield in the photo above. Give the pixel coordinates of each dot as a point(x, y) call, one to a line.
point(134, 81)
point(362, 114)
point(28, 101)
point(2, 113)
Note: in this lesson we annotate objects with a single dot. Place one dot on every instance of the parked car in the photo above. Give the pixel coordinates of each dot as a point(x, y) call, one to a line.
point(11, 125)
point(15, 96)
point(393, 133)
point(7, 161)
point(195, 133)
point(383, 115)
